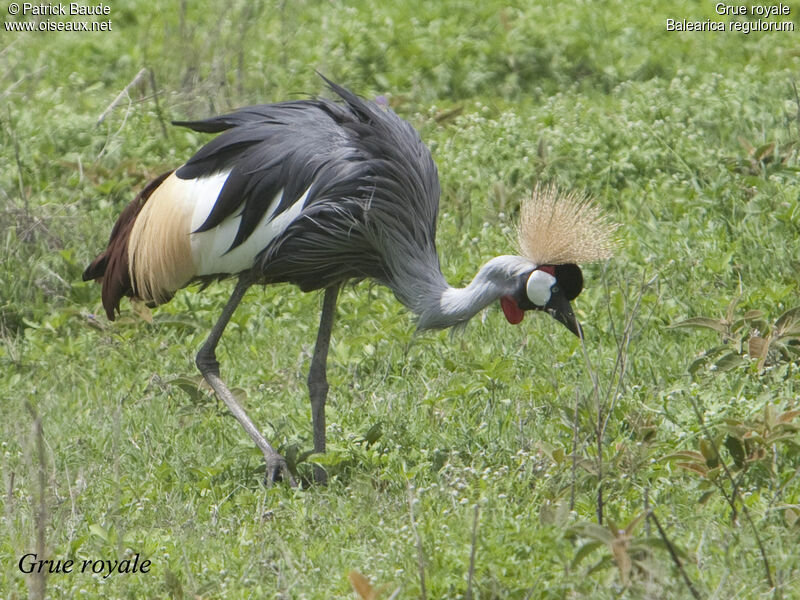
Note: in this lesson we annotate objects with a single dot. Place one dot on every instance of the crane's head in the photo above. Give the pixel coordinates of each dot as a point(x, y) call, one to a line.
point(556, 232)
point(549, 288)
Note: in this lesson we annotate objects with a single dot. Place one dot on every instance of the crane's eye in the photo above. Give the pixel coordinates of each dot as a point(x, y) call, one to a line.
point(554, 289)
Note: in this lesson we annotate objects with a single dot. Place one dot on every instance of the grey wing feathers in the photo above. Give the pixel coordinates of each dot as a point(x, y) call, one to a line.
point(266, 149)
point(373, 200)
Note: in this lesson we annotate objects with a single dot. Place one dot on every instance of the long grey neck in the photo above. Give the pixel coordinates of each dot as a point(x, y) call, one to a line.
point(440, 305)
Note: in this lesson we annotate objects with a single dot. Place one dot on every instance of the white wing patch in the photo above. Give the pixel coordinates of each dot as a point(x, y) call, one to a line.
point(210, 248)
point(164, 254)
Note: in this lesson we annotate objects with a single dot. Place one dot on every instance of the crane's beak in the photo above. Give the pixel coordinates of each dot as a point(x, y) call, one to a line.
point(559, 308)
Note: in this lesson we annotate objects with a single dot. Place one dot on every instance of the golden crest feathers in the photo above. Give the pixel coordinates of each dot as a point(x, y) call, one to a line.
point(557, 228)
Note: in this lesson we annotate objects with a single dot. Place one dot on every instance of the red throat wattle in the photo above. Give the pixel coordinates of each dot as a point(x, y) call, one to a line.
point(514, 314)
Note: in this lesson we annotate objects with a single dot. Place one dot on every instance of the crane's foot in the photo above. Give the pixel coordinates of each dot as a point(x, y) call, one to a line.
point(277, 470)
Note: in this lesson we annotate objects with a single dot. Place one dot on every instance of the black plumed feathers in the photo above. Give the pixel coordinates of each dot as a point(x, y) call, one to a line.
point(373, 189)
point(267, 149)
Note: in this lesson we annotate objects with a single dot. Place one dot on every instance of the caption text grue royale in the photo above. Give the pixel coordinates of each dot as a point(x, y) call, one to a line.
point(742, 19)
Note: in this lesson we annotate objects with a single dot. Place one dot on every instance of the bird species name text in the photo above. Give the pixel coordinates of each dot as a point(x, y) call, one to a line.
point(765, 19)
point(31, 563)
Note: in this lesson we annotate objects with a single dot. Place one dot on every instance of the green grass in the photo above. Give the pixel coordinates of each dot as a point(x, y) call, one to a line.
point(669, 131)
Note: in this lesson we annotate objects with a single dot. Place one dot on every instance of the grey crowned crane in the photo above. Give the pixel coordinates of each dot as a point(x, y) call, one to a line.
point(317, 193)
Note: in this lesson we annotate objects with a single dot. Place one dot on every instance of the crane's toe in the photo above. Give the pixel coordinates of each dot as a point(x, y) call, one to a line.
point(278, 470)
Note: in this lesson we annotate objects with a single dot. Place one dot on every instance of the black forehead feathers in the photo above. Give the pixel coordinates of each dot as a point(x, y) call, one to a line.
point(570, 280)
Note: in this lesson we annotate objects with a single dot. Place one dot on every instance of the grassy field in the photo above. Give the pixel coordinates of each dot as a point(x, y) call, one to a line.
point(500, 462)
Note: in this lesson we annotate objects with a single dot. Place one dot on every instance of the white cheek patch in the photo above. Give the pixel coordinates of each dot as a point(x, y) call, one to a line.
point(538, 287)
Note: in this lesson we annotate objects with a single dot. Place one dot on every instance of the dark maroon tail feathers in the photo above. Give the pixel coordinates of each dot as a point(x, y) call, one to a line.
point(111, 267)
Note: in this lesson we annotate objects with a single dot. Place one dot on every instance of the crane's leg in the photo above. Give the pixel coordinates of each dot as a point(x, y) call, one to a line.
point(207, 363)
point(317, 376)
